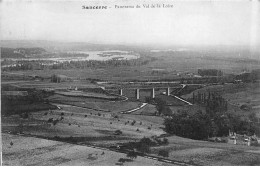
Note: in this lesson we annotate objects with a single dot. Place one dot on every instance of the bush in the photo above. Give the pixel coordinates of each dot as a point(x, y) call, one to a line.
point(62, 114)
point(116, 116)
point(163, 153)
point(55, 122)
point(50, 120)
point(165, 141)
point(144, 148)
point(118, 132)
point(57, 138)
point(131, 155)
point(25, 116)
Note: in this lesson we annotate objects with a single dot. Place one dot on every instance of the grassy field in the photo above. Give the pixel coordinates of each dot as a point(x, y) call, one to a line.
point(30, 151)
point(95, 103)
point(99, 129)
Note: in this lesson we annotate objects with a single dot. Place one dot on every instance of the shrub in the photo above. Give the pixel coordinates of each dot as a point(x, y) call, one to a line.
point(25, 116)
point(50, 120)
point(56, 138)
point(144, 148)
point(62, 114)
point(165, 141)
point(118, 132)
point(131, 154)
point(163, 153)
point(55, 122)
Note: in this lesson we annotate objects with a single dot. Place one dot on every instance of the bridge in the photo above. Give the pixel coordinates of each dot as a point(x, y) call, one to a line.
point(152, 90)
point(137, 92)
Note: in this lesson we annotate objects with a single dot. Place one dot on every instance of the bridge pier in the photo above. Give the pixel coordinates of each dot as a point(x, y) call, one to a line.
point(120, 92)
point(137, 94)
point(168, 91)
point(153, 93)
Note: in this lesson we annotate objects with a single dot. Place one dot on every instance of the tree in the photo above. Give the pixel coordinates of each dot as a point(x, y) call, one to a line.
point(131, 155)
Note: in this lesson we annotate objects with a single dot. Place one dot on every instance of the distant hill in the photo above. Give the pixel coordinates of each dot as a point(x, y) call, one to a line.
point(56, 46)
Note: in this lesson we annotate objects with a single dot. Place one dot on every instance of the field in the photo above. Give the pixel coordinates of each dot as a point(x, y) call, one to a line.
point(32, 151)
point(97, 130)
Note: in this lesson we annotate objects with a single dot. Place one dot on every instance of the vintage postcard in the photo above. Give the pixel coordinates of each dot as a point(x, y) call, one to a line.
point(130, 82)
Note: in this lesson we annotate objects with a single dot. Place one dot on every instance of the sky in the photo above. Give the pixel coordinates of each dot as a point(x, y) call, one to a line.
point(204, 22)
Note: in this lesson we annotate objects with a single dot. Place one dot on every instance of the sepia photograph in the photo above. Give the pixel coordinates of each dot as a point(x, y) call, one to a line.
point(130, 82)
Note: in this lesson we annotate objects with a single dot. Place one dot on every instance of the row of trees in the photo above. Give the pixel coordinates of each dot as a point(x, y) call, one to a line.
point(213, 101)
point(37, 64)
point(20, 104)
point(201, 125)
point(214, 121)
point(249, 77)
